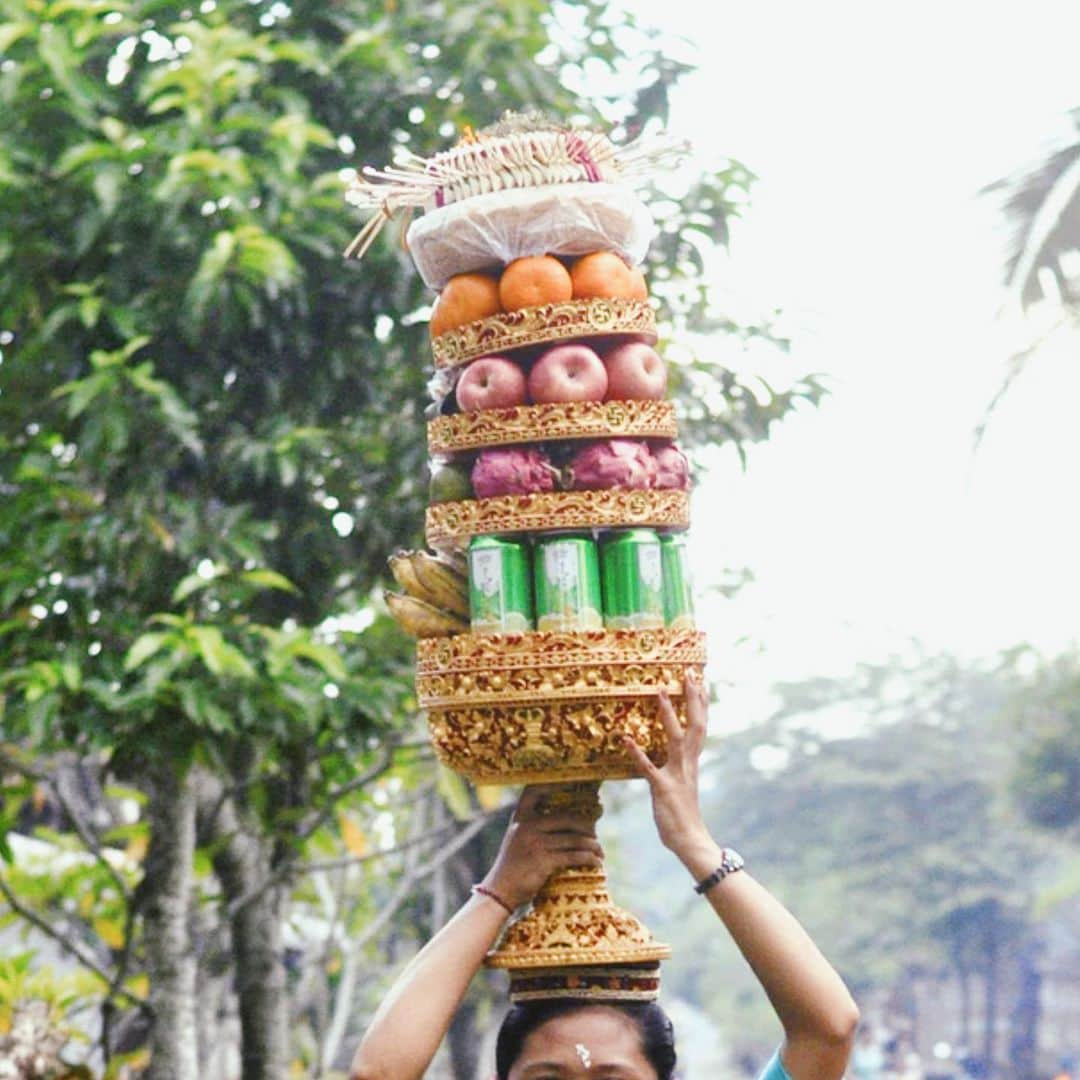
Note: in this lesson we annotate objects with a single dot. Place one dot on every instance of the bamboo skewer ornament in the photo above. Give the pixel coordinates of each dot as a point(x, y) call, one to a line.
point(542, 707)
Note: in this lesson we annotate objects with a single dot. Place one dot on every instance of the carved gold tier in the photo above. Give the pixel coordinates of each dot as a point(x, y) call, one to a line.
point(542, 324)
point(551, 707)
point(552, 422)
point(573, 923)
point(453, 524)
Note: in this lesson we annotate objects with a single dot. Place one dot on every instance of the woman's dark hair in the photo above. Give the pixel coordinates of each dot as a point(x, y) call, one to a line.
point(651, 1022)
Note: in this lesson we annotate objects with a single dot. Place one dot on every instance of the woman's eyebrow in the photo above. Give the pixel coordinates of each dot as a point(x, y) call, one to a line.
point(537, 1068)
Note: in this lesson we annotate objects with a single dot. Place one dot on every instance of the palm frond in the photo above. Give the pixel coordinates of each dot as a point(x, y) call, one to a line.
point(1043, 204)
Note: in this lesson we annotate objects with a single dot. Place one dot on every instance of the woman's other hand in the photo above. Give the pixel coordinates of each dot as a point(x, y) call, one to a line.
point(537, 844)
point(674, 785)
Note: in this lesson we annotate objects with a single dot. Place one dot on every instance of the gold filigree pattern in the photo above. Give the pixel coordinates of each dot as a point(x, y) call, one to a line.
point(453, 524)
point(549, 743)
point(489, 652)
point(592, 683)
point(542, 324)
point(551, 422)
point(574, 922)
point(545, 707)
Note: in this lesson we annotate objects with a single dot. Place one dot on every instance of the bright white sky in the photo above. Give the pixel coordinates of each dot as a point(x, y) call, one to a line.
point(868, 523)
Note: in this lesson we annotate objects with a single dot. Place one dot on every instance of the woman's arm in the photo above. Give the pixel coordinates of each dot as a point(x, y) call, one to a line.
point(817, 1012)
point(411, 1022)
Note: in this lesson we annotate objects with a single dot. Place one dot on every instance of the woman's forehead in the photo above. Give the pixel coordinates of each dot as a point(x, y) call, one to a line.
point(589, 1039)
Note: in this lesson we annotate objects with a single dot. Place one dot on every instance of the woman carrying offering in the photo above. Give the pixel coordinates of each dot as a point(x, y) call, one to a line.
point(581, 1040)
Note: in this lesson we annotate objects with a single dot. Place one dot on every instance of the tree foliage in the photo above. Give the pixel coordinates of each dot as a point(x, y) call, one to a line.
point(210, 438)
point(1046, 776)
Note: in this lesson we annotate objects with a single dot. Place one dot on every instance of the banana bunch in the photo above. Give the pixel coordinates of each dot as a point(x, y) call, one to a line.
point(435, 602)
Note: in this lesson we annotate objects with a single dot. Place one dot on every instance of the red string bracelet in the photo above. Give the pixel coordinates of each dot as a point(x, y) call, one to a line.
point(483, 890)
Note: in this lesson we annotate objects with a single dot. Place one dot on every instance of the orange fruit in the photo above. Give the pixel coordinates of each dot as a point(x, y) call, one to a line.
point(464, 299)
point(601, 273)
point(534, 279)
point(639, 289)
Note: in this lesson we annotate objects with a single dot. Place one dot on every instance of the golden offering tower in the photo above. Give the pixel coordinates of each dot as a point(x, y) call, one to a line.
point(555, 604)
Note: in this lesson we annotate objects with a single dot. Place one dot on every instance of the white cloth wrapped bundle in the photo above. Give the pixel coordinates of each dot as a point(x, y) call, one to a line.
point(486, 232)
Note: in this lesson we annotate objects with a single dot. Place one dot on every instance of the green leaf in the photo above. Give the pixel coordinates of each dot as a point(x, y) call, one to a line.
point(190, 585)
point(111, 931)
point(213, 266)
point(108, 183)
point(63, 61)
point(82, 392)
point(264, 259)
point(75, 157)
point(10, 32)
point(90, 310)
point(121, 791)
point(202, 710)
point(208, 163)
point(269, 579)
point(8, 173)
point(179, 419)
point(143, 648)
point(219, 656)
point(326, 657)
point(71, 674)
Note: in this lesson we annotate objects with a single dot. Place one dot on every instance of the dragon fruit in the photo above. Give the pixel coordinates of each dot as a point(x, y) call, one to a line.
point(512, 471)
point(672, 468)
point(612, 463)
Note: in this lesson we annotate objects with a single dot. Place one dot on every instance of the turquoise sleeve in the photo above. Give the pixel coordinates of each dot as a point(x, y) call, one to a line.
point(775, 1069)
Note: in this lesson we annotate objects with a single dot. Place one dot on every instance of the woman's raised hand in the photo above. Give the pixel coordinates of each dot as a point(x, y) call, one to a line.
point(674, 785)
point(537, 844)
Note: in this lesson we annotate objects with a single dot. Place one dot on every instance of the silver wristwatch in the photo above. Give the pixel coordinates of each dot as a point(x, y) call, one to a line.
point(730, 861)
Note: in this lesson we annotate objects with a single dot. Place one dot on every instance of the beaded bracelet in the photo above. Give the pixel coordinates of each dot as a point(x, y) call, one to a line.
point(483, 890)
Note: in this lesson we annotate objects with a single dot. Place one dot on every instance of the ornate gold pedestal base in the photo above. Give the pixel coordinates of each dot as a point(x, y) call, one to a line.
point(574, 941)
point(573, 922)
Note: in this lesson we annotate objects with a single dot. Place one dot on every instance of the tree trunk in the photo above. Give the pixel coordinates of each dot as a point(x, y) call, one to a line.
point(170, 959)
point(1024, 1022)
point(219, 1043)
point(965, 1007)
point(242, 865)
point(991, 1000)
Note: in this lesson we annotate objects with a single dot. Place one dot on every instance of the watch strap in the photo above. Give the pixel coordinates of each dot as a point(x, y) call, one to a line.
point(730, 862)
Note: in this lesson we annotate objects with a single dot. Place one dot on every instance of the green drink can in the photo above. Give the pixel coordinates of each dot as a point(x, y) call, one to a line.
point(500, 597)
point(633, 580)
point(566, 581)
point(678, 596)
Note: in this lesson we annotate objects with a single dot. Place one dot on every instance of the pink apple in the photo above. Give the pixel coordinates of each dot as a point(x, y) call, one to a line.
point(492, 382)
point(635, 371)
point(568, 373)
